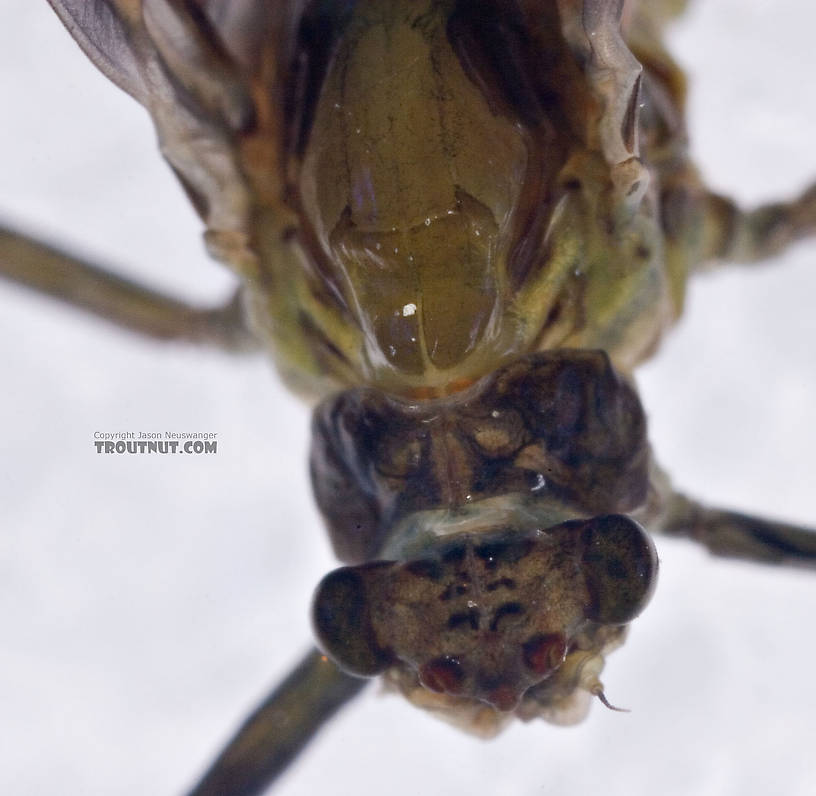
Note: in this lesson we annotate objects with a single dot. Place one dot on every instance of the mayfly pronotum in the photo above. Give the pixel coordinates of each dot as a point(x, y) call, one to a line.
point(147, 601)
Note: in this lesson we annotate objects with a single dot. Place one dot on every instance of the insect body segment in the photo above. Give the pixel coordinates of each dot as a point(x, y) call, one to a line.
point(427, 180)
point(494, 148)
point(553, 436)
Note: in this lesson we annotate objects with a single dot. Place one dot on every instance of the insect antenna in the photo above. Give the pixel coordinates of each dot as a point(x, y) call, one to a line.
point(598, 692)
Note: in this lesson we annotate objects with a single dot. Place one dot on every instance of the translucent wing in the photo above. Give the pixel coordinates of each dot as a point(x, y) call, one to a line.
point(101, 29)
point(191, 65)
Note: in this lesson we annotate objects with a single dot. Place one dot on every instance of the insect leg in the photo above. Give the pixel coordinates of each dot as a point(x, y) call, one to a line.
point(734, 535)
point(277, 731)
point(120, 301)
point(739, 236)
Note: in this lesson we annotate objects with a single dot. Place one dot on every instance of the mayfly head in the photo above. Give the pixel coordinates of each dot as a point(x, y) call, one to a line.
point(492, 617)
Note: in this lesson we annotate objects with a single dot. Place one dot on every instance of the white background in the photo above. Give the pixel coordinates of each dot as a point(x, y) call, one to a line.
point(147, 603)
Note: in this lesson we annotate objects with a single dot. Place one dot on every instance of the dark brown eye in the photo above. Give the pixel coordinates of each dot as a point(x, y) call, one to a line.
point(620, 568)
point(343, 626)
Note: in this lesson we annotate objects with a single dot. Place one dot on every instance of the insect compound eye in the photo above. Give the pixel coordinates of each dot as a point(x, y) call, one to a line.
point(342, 623)
point(620, 568)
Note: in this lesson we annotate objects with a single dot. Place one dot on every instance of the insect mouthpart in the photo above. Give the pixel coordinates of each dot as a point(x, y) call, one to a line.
point(515, 621)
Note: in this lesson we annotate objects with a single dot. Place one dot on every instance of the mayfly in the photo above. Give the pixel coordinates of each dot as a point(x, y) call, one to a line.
point(519, 736)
